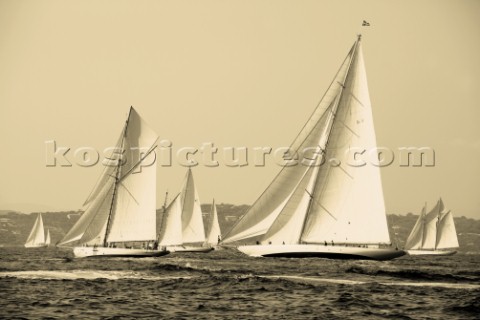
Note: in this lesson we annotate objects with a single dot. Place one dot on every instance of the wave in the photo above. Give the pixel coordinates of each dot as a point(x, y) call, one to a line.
point(389, 283)
point(415, 274)
point(85, 275)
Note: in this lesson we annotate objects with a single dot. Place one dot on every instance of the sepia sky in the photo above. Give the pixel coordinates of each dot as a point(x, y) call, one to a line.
point(236, 74)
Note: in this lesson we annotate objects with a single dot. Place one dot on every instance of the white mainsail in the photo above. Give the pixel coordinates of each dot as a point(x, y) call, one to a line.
point(323, 200)
point(171, 230)
point(192, 220)
point(447, 234)
point(47, 239)
point(213, 229)
point(434, 230)
point(121, 208)
point(414, 240)
point(36, 238)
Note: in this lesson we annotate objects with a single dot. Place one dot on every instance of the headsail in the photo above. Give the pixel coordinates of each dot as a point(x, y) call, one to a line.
point(171, 229)
point(213, 228)
point(192, 220)
point(268, 206)
point(414, 240)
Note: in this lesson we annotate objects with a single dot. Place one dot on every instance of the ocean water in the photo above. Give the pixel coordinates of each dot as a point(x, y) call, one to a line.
point(225, 284)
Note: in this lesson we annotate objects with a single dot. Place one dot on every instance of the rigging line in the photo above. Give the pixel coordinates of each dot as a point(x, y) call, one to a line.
point(348, 174)
point(356, 99)
point(96, 184)
point(128, 191)
point(331, 214)
point(349, 129)
point(152, 148)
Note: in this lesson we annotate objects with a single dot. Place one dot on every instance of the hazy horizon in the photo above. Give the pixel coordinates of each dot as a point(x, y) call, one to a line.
point(237, 74)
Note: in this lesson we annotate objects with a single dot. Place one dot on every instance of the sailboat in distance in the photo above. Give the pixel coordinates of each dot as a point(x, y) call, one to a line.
point(182, 228)
point(119, 218)
point(434, 233)
point(325, 206)
point(48, 240)
point(214, 234)
point(37, 238)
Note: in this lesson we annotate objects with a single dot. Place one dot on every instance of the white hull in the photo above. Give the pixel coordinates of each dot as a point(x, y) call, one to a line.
point(42, 245)
point(431, 252)
point(84, 252)
point(189, 249)
point(321, 251)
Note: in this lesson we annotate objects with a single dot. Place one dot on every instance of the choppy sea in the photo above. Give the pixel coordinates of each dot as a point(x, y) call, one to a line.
point(225, 284)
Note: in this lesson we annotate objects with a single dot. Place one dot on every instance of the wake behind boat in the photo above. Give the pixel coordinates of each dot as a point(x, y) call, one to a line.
point(120, 217)
point(328, 198)
point(434, 233)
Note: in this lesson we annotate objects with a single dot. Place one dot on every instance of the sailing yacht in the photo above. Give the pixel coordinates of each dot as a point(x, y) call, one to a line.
point(327, 205)
point(434, 233)
point(119, 218)
point(37, 238)
point(182, 227)
point(214, 234)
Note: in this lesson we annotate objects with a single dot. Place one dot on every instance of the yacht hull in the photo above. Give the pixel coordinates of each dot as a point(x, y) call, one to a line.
point(36, 245)
point(321, 251)
point(431, 252)
point(189, 249)
point(84, 252)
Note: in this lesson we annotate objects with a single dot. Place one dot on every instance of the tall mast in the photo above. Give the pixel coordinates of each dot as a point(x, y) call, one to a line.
point(165, 202)
point(323, 151)
point(115, 186)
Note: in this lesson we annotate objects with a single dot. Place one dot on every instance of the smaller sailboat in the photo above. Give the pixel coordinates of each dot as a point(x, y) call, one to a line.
point(37, 238)
point(47, 238)
point(182, 227)
point(434, 233)
point(214, 235)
